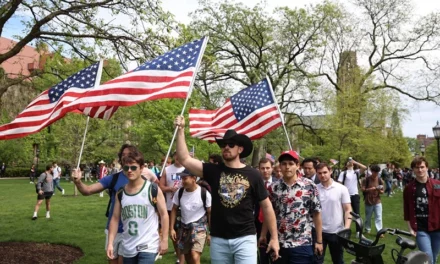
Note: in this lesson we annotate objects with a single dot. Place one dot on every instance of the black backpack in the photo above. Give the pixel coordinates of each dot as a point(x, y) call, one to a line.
point(205, 187)
point(357, 177)
point(111, 189)
point(153, 192)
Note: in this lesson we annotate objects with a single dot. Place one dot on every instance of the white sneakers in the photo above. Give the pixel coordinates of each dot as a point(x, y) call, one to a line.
point(62, 192)
point(47, 214)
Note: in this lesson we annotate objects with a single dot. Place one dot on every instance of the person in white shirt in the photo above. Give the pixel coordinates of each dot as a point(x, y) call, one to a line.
point(195, 207)
point(56, 178)
point(169, 183)
point(336, 208)
point(350, 178)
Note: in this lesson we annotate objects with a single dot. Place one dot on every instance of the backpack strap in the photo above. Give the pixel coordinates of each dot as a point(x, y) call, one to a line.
point(111, 189)
point(119, 194)
point(180, 194)
point(153, 194)
point(344, 174)
point(203, 193)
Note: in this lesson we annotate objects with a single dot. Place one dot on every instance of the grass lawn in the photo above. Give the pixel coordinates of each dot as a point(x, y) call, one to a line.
point(80, 221)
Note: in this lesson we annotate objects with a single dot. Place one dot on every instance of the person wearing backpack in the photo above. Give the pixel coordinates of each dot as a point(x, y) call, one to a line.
point(138, 206)
point(44, 189)
point(194, 202)
point(112, 183)
point(350, 178)
point(372, 187)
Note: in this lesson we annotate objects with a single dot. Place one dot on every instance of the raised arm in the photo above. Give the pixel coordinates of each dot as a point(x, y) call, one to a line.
point(195, 166)
point(362, 167)
point(83, 188)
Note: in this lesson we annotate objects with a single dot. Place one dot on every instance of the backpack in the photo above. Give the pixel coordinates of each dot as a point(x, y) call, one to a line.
point(345, 174)
point(205, 187)
point(36, 185)
point(366, 185)
point(111, 189)
point(153, 192)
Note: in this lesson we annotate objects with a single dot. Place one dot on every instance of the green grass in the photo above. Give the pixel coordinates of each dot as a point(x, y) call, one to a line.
point(80, 221)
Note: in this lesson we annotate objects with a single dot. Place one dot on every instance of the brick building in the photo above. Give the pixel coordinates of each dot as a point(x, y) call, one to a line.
point(425, 140)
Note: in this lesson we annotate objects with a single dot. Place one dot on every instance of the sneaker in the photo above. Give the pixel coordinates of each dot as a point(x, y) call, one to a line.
point(47, 215)
point(31, 182)
point(390, 196)
point(34, 218)
point(62, 192)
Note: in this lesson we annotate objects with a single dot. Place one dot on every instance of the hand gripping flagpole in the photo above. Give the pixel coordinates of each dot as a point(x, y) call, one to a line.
point(279, 111)
point(202, 51)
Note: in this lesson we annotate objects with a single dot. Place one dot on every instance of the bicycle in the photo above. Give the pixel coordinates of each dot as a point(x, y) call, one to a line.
point(367, 251)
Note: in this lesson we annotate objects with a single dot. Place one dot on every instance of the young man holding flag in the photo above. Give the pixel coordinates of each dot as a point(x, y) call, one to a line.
point(235, 190)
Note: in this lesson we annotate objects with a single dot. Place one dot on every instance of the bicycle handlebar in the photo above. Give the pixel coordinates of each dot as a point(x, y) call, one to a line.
point(394, 231)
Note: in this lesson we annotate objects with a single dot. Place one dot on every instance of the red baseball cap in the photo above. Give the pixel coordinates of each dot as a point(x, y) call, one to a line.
point(290, 153)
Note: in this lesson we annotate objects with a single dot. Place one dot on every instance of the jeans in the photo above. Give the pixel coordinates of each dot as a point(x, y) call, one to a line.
point(141, 258)
point(429, 242)
point(241, 250)
point(296, 255)
point(56, 183)
point(356, 205)
point(388, 187)
point(377, 209)
point(336, 251)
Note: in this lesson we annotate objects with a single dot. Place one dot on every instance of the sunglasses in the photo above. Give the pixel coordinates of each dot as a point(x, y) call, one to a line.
point(132, 168)
point(229, 144)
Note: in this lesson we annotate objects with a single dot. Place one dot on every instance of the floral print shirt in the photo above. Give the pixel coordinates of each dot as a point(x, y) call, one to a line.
point(294, 207)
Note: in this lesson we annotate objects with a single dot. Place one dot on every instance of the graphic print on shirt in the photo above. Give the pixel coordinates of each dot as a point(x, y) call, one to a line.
point(422, 203)
point(233, 188)
point(177, 181)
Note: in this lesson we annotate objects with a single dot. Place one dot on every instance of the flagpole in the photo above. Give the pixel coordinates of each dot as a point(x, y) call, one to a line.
point(202, 51)
point(279, 111)
point(97, 82)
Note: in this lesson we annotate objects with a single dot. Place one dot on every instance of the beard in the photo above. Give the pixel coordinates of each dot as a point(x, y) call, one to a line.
point(228, 156)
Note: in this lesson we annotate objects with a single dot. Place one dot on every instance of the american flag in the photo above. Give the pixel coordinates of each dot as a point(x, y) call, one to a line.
point(270, 157)
point(52, 104)
point(167, 76)
point(252, 111)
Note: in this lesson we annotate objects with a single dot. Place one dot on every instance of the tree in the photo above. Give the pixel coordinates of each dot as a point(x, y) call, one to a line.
point(394, 46)
point(87, 29)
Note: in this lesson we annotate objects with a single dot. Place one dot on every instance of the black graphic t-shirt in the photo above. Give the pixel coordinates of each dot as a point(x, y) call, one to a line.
point(234, 194)
point(421, 206)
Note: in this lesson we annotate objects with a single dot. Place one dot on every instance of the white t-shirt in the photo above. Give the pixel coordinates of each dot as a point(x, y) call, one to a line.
point(172, 180)
point(56, 172)
point(332, 213)
point(351, 181)
point(192, 205)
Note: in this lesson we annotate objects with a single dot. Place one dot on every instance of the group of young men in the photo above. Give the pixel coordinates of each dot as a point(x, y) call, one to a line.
point(247, 215)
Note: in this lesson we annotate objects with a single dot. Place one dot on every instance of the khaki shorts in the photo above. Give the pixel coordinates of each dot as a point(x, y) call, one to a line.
point(199, 243)
point(117, 244)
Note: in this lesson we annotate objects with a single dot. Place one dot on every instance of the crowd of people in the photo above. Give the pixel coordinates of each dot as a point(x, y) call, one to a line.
point(283, 211)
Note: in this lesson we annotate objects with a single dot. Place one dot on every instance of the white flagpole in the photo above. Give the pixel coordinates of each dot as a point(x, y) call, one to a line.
point(279, 111)
point(202, 51)
point(97, 82)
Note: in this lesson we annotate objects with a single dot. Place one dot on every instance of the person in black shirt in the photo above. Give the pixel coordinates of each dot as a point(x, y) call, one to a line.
point(235, 188)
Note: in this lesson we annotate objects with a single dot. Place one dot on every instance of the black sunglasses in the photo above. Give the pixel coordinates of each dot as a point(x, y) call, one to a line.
point(132, 168)
point(230, 144)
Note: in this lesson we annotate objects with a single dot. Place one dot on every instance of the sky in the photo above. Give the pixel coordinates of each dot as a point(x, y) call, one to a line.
point(422, 115)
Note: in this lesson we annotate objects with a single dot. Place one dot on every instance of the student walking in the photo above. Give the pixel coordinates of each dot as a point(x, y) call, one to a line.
point(44, 190)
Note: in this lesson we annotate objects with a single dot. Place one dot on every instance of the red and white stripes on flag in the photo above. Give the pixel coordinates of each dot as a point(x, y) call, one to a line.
point(252, 111)
point(167, 76)
point(52, 104)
